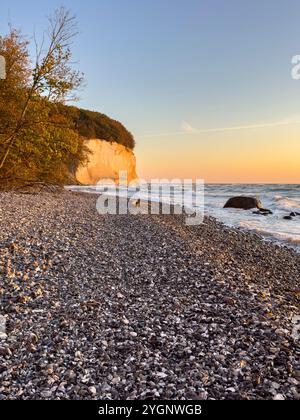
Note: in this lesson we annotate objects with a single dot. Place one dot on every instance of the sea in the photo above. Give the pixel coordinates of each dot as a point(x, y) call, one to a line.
point(282, 199)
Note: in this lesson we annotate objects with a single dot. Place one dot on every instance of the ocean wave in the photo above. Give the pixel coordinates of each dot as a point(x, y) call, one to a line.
point(293, 239)
point(286, 203)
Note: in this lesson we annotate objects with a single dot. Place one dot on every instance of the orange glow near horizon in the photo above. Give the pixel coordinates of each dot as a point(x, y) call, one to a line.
point(269, 155)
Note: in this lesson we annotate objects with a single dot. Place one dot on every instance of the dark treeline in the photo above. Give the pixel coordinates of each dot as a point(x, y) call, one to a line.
point(94, 125)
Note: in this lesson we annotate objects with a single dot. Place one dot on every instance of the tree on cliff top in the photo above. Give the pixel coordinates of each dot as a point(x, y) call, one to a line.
point(94, 125)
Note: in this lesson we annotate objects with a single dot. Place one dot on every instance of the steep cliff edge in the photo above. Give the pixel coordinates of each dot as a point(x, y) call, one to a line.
point(106, 160)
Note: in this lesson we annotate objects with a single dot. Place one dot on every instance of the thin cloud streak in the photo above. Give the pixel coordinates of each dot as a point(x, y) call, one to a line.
point(187, 128)
point(223, 129)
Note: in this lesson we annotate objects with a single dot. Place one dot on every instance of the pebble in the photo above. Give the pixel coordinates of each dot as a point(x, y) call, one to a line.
point(93, 390)
point(211, 306)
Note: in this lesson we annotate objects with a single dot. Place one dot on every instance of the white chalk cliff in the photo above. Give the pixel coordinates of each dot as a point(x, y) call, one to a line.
point(106, 160)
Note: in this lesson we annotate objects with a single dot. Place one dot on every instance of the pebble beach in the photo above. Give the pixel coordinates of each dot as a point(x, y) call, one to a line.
point(142, 307)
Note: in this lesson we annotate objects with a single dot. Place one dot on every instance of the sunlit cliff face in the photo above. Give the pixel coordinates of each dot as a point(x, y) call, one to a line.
point(106, 160)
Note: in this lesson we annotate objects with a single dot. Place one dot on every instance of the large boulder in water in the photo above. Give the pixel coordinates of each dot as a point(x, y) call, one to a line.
point(246, 203)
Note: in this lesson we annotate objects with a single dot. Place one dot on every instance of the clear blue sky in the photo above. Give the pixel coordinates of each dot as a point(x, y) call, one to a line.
point(166, 66)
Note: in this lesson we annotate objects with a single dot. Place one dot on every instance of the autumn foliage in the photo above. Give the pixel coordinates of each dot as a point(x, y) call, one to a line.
point(41, 138)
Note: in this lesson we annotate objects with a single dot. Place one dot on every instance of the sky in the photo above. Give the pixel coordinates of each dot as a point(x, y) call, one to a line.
point(205, 86)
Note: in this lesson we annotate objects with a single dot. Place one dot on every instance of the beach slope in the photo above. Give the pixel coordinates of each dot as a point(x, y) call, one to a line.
point(141, 306)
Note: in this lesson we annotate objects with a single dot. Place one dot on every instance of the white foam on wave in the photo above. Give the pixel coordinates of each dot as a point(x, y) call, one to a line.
point(285, 203)
point(281, 236)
